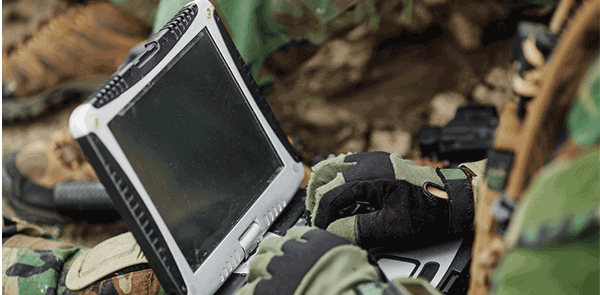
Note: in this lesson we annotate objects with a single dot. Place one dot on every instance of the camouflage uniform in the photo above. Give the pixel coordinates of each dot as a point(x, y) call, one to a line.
point(553, 238)
point(33, 263)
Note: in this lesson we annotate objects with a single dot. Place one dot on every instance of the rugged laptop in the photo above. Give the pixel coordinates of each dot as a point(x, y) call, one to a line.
point(190, 153)
point(197, 165)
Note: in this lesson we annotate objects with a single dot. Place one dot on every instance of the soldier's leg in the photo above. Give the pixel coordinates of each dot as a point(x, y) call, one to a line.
point(32, 263)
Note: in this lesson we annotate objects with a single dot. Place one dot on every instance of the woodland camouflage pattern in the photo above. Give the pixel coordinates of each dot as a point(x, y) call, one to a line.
point(35, 265)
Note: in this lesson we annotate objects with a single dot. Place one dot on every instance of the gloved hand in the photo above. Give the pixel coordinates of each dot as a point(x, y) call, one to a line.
point(313, 261)
point(308, 261)
point(379, 200)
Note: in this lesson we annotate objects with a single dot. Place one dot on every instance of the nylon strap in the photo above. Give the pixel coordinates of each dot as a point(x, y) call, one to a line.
point(457, 184)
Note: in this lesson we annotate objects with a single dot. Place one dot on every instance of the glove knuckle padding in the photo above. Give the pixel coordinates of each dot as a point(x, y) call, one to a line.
point(300, 254)
point(323, 173)
point(412, 173)
point(375, 165)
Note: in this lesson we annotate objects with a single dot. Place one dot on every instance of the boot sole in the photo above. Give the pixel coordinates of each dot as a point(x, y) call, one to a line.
point(14, 110)
point(25, 211)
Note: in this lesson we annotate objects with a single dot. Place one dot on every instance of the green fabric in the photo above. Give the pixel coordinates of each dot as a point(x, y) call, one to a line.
point(559, 190)
point(324, 9)
point(260, 27)
point(584, 116)
point(39, 282)
point(553, 235)
point(558, 269)
point(346, 227)
point(412, 172)
point(453, 174)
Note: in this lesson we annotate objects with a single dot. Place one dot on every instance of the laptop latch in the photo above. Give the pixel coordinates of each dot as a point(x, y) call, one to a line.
point(250, 239)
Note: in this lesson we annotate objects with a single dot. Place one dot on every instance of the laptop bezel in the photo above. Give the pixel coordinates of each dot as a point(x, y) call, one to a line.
point(89, 126)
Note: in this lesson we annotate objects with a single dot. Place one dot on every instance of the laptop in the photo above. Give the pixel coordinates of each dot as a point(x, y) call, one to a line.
point(195, 162)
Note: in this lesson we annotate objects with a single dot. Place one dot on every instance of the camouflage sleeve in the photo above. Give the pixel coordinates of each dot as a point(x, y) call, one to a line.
point(260, 27)
point(32, 264)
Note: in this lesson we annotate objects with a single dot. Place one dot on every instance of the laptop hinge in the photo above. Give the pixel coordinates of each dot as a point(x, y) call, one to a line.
point(250, 239)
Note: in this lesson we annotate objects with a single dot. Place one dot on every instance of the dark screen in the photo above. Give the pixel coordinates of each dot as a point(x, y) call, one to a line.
point(197, 148)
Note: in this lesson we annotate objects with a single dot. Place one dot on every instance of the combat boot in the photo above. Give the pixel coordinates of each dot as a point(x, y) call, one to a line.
point(68, 57)
point(52, 182)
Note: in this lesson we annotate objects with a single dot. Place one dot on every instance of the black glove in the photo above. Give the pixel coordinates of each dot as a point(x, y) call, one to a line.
point(381, 200)
point(308, 261)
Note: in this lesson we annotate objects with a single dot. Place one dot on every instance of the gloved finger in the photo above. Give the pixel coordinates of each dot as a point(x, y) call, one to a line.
point(323, 173)
point(258, 266)
point(346, 228)
point(314, 255)
point(270, 248)
point(338, 201)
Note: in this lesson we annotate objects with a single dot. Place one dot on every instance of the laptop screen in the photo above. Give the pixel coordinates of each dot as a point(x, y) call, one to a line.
point(197, 148)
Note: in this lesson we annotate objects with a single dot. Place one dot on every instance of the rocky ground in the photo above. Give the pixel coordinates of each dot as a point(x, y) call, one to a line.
point(364, 90)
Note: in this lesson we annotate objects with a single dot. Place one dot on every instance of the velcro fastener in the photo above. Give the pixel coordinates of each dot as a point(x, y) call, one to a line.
point(457, 184)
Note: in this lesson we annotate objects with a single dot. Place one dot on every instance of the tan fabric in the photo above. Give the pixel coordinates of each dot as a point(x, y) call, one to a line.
point(331, 275)
point(33, 243)
point(50, 163)
point(477, 170)
point(10, 285)
point(78, 45)
point(107, 257)
point(533, 142)
point(406, 285)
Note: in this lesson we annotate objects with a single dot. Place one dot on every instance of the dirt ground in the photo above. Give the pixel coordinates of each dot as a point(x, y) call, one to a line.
point(361, 91)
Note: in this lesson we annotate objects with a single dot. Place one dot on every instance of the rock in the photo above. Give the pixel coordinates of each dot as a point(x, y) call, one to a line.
point(355, 145)
point(344, 134)
point(391, 141)
point(444, 106)
point(496, 98)
point(320, 114)
point(480, 93)
point(498, 77)
point(324, 128)
point(421, 18)
point(336, 66)
point(467, 34)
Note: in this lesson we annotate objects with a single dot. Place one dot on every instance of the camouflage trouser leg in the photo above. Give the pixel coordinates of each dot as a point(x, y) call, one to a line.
point(36, 265)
